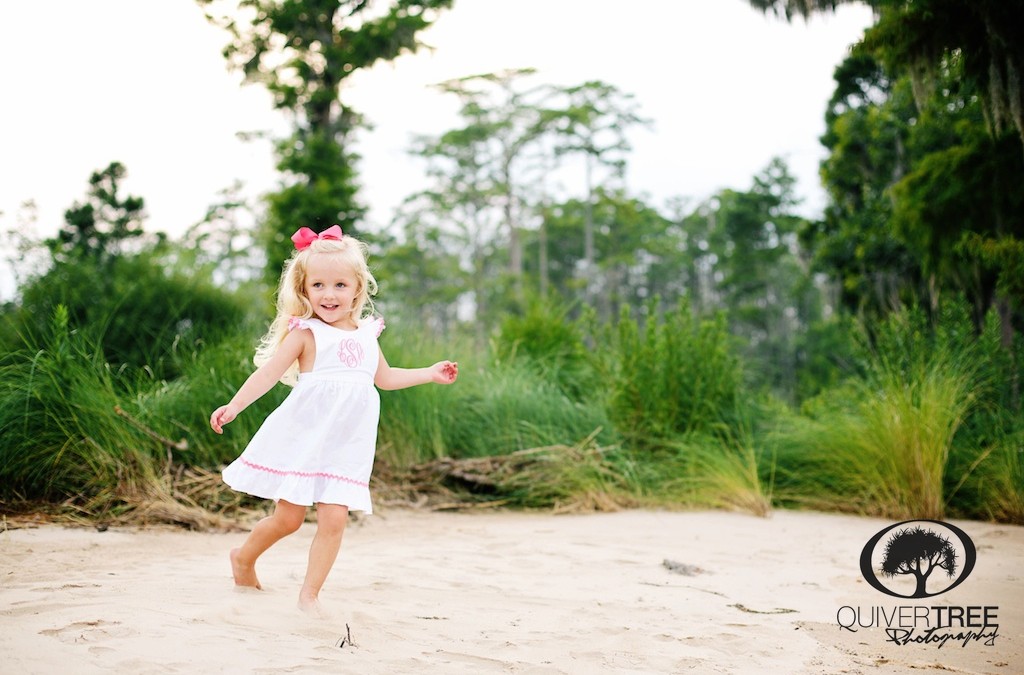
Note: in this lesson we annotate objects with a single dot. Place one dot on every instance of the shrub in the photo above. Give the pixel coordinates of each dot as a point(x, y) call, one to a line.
point(546, 342)
point(210, 376)
point(63, 436)
point(496, 408)
point(671, 377)
point(131, 306)
point(881, 443)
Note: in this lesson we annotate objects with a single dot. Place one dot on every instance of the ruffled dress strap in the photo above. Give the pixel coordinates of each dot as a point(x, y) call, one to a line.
point(378, 325)
point(298, 322)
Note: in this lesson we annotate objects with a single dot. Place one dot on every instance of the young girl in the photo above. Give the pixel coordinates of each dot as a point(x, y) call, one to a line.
point(318, 446)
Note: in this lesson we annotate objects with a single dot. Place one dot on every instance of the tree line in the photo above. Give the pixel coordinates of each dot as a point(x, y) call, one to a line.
point(924, 173)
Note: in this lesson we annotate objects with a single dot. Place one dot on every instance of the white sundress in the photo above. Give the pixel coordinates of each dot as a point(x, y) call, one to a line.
point(318, 445)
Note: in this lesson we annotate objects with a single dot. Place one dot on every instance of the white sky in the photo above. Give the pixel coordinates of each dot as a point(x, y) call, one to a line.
point(144, 83)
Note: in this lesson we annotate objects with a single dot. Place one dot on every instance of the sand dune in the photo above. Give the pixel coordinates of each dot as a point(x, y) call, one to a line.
point(417, 591)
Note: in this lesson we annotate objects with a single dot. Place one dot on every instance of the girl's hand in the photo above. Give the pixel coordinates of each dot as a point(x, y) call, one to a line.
point(444, 372)
point(222, 416)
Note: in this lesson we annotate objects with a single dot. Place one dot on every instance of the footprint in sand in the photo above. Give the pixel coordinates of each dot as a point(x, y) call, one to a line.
point(88, 631)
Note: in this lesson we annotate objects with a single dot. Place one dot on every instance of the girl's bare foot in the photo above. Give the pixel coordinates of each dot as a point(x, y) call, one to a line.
point(313, 608)
point(245, 575)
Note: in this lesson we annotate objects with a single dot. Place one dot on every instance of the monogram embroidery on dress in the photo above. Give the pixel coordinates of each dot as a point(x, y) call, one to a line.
point(350, 352)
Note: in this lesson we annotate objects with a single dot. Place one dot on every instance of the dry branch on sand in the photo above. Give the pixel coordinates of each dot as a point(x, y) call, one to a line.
point(561, 477)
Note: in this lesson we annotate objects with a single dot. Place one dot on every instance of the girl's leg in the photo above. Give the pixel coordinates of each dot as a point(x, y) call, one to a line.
point(331, 521)
point(287, 518)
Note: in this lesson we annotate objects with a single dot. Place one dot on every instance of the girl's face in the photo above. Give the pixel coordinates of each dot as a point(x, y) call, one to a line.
point(332, 287)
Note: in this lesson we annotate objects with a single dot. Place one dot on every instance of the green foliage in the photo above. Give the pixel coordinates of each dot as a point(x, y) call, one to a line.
point(918, 429)
point(210, 374)
point(1003, 255)
point(62, 435)
point(415, 423)
point(100, 228)
point(963, 189)
point(868, 121)
point(908, 429)
point(496, 408)
point(994, 488)
point(484, 176)
point(763, 285)
point(119, 288)
point(545, 341)
point(478, 173)
point(506, 408)
point(924, 156)
point(671, 377)
point(824, 356)
point(985, 470)
point(605, 249)
point(420, 279)
point(325, 195)
point(137, 311)
point(75, 432)
point(636, 252)
point(920, 432)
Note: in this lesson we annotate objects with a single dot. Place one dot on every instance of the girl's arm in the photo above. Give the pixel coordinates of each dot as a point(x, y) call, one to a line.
point(388, 378)
point(262, 379)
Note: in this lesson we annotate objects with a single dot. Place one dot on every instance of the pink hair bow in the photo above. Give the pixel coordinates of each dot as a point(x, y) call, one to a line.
point(304, 236)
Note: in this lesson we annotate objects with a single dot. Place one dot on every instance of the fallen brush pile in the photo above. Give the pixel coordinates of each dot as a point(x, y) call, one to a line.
point(562, 478)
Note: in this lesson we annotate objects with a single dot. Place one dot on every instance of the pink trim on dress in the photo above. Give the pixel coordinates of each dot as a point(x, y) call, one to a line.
point(297, 322)
point(303, 474)
point(380, 326)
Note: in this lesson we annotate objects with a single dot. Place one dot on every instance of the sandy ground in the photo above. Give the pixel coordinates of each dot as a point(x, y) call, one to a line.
point(417, 591)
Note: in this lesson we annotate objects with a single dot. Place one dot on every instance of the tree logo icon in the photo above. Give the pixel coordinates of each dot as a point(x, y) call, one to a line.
point(917, 557)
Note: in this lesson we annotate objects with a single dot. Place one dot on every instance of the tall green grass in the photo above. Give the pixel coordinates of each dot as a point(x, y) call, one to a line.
point(414, 421)
point(642, 420)
point(999, 481)
point(61, 434)
point(565, 478)
point(650, 412)
point(671, 376)
point(881, 444)
point(72, 433)
point(211, 374)
point(909, 423)
point(985, 473)
point(699, 471)
point(495, 408)
point(66, 435)
point(545, 341)
point(735, 473)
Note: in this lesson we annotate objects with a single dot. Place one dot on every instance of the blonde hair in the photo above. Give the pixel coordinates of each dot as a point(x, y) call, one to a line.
point(293, 302)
